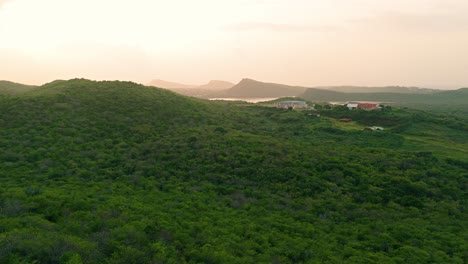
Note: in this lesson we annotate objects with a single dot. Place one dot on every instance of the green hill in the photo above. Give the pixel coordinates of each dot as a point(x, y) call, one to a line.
point(444, 97)
point(116, 172)
point(10, 88)
point(453, 100)
point(386, 89)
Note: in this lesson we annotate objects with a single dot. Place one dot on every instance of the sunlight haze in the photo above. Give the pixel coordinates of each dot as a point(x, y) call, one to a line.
point(298, 42)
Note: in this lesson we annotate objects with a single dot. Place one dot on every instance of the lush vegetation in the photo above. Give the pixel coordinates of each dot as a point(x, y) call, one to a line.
point(114, 172)
point(384, 89)
point(453, 101)
point(7, 87)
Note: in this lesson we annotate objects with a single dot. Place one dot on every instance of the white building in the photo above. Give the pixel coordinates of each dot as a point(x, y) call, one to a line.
point(293, 104)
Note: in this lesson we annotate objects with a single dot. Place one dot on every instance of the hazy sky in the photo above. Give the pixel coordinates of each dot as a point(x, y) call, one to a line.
point(301, 42)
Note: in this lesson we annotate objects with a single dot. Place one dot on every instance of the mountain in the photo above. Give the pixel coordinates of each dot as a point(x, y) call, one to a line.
point(216, 85)
point(386, 89)
point(7, 87)
point(169, 85)
point(117, 172)
point(248, 88)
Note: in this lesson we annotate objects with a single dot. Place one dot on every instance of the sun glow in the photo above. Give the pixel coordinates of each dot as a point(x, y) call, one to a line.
point(320, 42)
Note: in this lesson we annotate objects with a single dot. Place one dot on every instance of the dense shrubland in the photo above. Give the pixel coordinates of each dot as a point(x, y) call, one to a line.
point(114, 172)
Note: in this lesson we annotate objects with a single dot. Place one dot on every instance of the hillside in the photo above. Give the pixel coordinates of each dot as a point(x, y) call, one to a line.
point(386, 89)
point(11, 88)
point(452, 100)
point(442, 97)
point(116, 172)
point(217, 85)
point(248, 88)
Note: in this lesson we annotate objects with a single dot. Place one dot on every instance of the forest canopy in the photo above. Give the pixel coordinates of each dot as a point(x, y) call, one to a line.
point(116, 172)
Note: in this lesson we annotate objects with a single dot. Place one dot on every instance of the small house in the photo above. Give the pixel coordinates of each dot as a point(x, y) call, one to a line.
point(368, 106)
point(352, 106)
point(346, 120)
point(292, 104)
point(362, 105)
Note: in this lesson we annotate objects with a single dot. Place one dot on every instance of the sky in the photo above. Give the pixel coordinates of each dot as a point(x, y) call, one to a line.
point(298, 42)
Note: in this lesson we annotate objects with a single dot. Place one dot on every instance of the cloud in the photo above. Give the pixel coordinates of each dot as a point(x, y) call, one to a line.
point(262, 26)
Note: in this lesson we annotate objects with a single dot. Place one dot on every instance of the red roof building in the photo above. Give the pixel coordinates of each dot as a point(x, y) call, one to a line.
point(367, 106)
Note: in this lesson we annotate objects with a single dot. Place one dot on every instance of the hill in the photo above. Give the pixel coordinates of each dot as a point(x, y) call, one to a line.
point(386, 89)
point(7, 87)
point(216, 85)
point(442, 97)
point(248, 88)
point(452, 100)
point(116, 172)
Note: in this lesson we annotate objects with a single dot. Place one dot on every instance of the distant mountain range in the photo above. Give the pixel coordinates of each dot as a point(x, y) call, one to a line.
point(413, 97)
point(216, 85)
point(248, 88)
